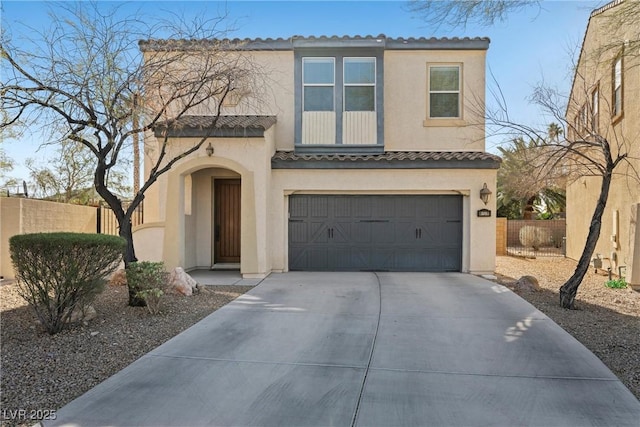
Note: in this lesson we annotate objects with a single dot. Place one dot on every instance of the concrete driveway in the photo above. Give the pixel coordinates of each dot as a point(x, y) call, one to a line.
point(365, 349)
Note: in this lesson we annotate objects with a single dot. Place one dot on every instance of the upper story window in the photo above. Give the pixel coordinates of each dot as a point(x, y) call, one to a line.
point(617, 87)
point(318, 77)
point(359, 84)
point(339, 98)
point(444, 91)
point(595, 109)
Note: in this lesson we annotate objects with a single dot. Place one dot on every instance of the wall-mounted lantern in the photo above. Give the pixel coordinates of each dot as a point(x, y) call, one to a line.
point(209, 151)
point(485, 193)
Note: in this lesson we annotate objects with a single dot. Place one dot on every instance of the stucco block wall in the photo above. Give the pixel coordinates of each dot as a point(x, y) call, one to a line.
point(501, 236)
point(22, 216)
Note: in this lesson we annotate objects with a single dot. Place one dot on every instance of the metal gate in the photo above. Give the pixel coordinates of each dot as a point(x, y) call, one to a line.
point(533, 238)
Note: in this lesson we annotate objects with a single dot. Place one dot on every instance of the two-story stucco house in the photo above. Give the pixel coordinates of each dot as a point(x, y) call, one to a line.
point(605, 101)
point(367, 154)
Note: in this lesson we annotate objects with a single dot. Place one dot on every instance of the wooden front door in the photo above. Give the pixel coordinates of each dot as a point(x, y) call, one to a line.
point(226, 221)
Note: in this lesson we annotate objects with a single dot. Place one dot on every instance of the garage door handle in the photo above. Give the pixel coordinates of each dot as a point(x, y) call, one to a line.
point(418, 233)
point(330, 233)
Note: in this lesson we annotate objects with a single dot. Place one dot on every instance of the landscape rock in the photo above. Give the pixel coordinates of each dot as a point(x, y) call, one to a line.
point(84, 314)
point(527, 283)
point(119, 278)
point(535, 237)
point(182, 283)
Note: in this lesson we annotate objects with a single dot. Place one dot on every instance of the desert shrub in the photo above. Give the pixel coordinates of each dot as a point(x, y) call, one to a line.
point(59, 272)
point(616, 283)
point(147, 281)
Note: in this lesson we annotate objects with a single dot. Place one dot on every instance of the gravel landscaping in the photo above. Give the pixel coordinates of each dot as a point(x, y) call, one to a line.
point(42, 372)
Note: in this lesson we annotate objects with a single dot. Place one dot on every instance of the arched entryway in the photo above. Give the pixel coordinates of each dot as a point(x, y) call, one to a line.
point(216, 223)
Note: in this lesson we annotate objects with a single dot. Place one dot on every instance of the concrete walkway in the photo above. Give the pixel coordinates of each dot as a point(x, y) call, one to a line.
point(365, 349)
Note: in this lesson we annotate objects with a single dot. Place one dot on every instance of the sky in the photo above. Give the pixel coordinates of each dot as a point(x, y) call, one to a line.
point(533, 45)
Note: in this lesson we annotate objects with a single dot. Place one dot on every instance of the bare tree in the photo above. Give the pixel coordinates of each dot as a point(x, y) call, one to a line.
point(583, 151)
point(458, 13)
point(80, 77)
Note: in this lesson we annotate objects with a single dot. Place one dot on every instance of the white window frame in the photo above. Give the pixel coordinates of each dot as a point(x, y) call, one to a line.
point(617, 84)
point(345, 85)
point(458, 92)
point(595, 109)
point(333, 85)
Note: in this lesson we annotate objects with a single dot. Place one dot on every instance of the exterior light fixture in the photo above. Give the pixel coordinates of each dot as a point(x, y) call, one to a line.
point(209, 150)
point(485, 193)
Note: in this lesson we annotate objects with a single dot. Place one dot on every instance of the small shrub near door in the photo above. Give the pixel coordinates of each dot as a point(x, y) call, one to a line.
point(57, 273)
point(148, 281)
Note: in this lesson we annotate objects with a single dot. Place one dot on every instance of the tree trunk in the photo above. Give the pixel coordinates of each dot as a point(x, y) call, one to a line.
point(124, 222)
point(528, 211)
point(128, 257)
point(569, 290)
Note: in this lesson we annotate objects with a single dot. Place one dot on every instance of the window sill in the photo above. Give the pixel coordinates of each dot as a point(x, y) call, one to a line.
point(616, 119)
point(443, 122)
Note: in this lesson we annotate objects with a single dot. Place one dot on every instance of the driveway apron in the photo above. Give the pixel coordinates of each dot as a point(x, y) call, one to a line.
point(365, 349)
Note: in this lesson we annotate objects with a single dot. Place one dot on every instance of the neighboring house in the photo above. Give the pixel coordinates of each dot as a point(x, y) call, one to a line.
point(368, 153)
point(605, 101)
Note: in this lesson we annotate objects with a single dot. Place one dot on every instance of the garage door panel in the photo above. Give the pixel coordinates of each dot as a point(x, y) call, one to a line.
point(298, 232)
point(450, 259)
point(391, 233)
point(318, 232)
point(319, 207)
point(343, 258)
point(383, 233)
point(427, 208)
point(381, 259)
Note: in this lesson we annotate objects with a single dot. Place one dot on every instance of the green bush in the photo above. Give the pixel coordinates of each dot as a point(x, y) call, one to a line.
point(147, 281)
point(616, 283)
point(59, 272)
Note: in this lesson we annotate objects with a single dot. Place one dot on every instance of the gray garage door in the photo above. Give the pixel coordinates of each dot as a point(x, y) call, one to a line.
point(379, 233)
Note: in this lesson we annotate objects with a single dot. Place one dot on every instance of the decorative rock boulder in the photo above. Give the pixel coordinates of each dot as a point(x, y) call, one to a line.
point(84, 314)
point(527, 283)
point(535, 237)
point(182, 283)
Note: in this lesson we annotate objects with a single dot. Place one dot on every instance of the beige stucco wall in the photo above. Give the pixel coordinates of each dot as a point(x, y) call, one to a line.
point(620, 218)
point(21, 216)
point(605, 40)
point(405, 102)
point(181, 202)
point(479, 237)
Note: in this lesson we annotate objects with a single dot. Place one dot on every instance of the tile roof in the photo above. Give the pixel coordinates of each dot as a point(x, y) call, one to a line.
point(264, 122)
point(401, 159)
point(224, 125)
point(317, 41)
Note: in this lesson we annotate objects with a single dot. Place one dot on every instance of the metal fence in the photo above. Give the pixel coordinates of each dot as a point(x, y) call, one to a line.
point(107, 222)
point(534, 238)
